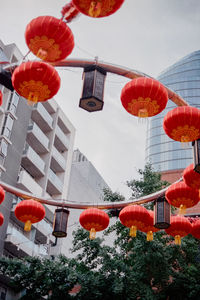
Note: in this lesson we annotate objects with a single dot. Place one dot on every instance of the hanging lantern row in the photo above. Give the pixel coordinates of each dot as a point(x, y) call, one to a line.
point(69, 12)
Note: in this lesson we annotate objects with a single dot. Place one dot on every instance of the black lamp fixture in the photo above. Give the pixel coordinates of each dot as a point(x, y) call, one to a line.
point(162, 213)
point(5, 79)
point(60, 222)
point(93, 88)
point(196, 152)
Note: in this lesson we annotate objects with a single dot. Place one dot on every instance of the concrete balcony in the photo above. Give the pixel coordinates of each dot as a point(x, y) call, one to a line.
point(32, 162)
point(19, 245)
point(41, 116)
point(54, 184)
point(27, 183)
point(58, 162)
point(61, 141)
point(37, 139)
point(51, 106)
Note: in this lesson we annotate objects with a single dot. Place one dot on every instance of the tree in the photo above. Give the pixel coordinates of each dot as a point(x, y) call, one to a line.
point(130, 269)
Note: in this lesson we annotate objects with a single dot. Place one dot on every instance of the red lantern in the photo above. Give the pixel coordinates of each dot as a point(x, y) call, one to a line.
point(69, 12)
point(149, 227)
point(94, 219)
point(182, 196)
point(28, 212)
point(196, 229)
point(183, 124)
point(191, 178)
point(1, 219)
point(97, 8)
point(1, 98)
point(180, 227)
point(36, 81)
point(49, 38)
point(135, 217)
point(2, 194)
point(144, 97)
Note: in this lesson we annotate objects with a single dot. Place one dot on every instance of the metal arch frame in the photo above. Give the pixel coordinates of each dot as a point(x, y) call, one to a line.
point(118, 70)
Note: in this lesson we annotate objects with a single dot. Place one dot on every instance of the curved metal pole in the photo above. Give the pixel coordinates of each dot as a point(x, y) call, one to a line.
point(119, 70)
point(64, 203)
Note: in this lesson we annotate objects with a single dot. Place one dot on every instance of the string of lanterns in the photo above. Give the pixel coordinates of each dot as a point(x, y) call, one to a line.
point(51, 40)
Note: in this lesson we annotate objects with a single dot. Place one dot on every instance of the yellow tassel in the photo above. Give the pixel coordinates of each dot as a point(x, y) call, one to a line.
point(133, 231)
point(95, 9)
point(27, 225)
point(92, 233)
point(177, 239)
point(42, 54)
point(149, 236)
point(182, 210)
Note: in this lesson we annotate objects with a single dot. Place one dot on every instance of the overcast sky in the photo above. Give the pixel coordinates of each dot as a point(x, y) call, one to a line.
point(146, 35)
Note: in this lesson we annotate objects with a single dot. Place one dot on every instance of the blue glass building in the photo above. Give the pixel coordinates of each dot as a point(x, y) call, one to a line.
point(165, 154)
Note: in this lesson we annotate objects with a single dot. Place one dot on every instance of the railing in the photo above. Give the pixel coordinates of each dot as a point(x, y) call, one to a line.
point(23, 240)
point(35, 158)
point(39, 134)
point(60, 134)
point(55, 180)
point(59, 158)
point(46, 116)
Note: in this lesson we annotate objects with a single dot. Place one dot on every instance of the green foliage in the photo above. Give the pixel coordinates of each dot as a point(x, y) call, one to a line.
point(149, 182)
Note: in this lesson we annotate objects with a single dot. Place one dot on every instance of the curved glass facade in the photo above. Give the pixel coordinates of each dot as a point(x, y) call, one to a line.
point(184, 78)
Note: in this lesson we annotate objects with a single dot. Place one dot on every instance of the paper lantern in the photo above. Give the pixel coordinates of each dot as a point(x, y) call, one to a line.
point(28, 212)
point(36, 81)
point(69, 12)
point(1, 98)
point(1, 219)
point(183, 124)
point(49, 38)
point(196, 229)
point(97, 8)
point(149, 226)
point(144, 97)
point(180, 227)
point(191, 178)
point(94, 219)
point(182, 196)
point(135, 217)
point(2, 194)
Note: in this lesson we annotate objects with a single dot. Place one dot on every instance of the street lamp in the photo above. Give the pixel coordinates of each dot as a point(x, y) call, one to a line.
point(60, 222)
point(93, 88)
point(162, 213)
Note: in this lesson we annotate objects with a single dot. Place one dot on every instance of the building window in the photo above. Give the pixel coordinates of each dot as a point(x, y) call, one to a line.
point(12, 105)
point(7, 126)
point(3, 147)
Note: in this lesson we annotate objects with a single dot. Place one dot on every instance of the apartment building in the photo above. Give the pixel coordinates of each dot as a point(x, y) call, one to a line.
point(36, 148)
